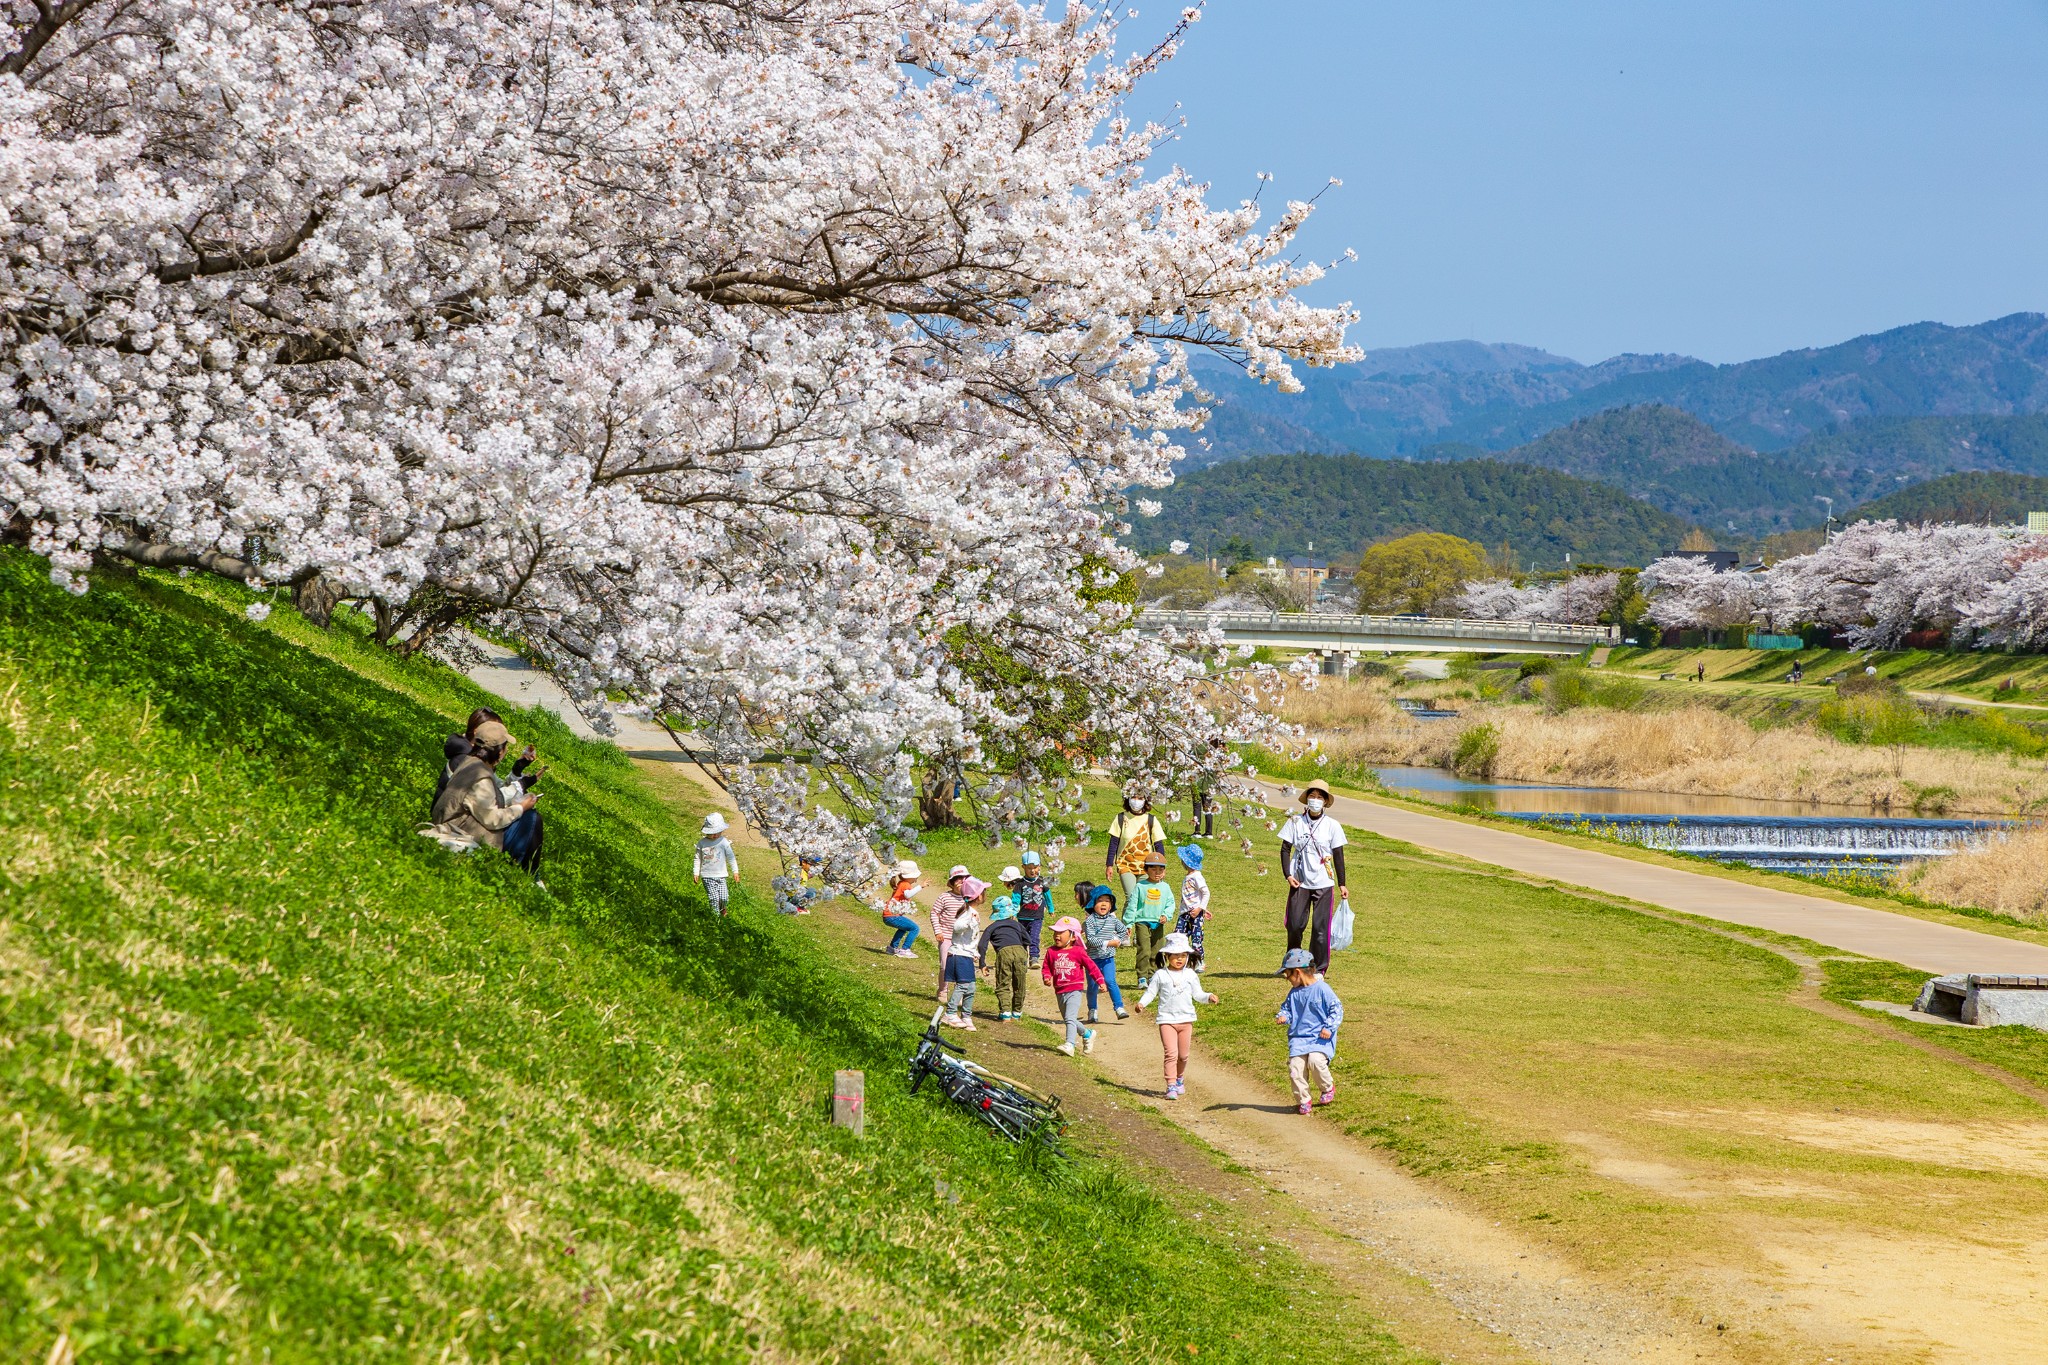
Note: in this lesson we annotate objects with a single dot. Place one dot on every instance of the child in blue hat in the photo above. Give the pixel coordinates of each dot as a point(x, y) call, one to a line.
point(1194, 902)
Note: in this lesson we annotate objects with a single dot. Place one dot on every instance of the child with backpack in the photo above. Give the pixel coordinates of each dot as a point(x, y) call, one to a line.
point(1034, 900)
point(1067, 968)
point(1102, 933)
point(1312, 1013)
point(1177, 989)
point(1194, 903)
point(1005, 937)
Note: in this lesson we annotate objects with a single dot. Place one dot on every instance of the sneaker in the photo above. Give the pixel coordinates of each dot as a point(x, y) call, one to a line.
point(1301, 1109)
point(952, 1020)
point(968, 1024)
point(1091, 1017)
point(1329, 1096)
point(1143, 982)
point(1173, 1090)
point(1122, 1013)
point(1088, 1040)
point(1067, 1050)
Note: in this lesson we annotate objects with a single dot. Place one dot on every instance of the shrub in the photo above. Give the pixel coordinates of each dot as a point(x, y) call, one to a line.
point(1477, 751)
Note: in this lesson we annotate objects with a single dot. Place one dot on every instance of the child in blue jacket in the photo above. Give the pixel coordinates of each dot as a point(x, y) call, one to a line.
point(1312, 1013)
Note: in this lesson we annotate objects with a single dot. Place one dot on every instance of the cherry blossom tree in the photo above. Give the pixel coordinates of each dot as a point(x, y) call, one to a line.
point(1578, 600)
point(1690, 594)
point(774, 365)
point(1877, 580)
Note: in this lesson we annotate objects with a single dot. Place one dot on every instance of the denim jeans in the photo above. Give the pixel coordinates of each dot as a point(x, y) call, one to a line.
point(906, 931)
point(1116, 997)
point(522, 839)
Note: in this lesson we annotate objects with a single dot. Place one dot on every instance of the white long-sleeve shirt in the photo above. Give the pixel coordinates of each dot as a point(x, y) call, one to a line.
point(1176, 992)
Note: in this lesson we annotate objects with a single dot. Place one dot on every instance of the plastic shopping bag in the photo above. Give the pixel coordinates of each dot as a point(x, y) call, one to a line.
point(1340, 927)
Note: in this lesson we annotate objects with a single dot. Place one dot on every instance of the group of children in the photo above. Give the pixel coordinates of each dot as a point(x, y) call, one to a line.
point(1081, 960)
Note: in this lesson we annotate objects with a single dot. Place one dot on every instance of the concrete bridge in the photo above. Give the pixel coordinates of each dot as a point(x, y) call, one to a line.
point(1385, 634)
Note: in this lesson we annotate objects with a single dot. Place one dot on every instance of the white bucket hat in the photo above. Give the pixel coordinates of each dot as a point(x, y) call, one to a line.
point(714, 823)
point(1010, 874)
point(1176, 943)
point(907, 868)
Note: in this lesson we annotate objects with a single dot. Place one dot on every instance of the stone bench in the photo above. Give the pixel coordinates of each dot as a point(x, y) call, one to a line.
point(1986, 999)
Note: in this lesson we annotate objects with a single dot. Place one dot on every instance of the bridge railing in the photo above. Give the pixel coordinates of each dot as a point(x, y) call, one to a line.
point(1410, 627)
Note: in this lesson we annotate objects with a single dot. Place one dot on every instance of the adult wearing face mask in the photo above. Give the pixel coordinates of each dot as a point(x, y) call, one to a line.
point(1312, 851)
point(1134, 835)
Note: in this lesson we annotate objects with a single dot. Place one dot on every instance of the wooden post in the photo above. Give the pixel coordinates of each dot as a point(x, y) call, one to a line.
point(849, 1107)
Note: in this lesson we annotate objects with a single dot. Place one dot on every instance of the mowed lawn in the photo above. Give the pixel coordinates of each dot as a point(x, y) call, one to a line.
point(1643, 1095)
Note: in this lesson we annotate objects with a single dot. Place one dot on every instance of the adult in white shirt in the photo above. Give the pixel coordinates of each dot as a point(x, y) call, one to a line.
point(1312, 851)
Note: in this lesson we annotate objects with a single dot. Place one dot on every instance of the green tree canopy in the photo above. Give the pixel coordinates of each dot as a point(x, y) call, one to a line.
point(1420, 572)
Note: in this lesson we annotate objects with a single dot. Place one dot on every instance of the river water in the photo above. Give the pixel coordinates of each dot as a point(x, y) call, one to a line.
point(1785, 836)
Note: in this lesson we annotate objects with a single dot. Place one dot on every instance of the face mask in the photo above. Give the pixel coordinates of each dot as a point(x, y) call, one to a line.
point(1315, 805)
point(1134, 805)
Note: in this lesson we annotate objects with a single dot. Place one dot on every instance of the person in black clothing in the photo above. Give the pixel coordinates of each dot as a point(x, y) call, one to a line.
point(1008, 939)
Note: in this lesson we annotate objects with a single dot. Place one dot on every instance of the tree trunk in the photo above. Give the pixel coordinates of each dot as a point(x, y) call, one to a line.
point(935, 800)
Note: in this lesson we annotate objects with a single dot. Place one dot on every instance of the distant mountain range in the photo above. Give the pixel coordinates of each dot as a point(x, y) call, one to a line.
point(1497, 397)
point(1284, 504)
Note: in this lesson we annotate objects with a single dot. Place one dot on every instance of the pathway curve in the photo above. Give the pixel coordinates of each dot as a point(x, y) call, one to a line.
point(1918, 943)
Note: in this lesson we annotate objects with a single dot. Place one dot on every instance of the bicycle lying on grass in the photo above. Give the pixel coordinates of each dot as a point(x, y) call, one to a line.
point(1011, 1107)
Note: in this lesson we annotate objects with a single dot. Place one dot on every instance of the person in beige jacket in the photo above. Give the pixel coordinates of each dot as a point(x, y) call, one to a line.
point(471, 807)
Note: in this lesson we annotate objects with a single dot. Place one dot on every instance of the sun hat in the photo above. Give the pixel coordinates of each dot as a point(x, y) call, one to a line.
point(1029, 859)
point(1004, 908)
point(908, 871)
point(1101, 894)
point(1176, 943)
point(1010, 874)
point(491, 735)
point(1067, 924)
point(1190, 856)
point(714, 823)
point(974, 887)
point(1155, 859)
point(1316, 785)
point(959, 871)
point(1297, 957)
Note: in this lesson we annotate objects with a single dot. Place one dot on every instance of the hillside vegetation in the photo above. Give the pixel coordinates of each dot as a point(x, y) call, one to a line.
point(1278, 504)
point(1986, 498)
point(287, 1082)
point(1497, 398)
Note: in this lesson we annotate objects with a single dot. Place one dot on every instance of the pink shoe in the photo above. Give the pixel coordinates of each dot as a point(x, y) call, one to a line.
point(1301, 1109)
point(968, 1025)
point(1329, 1096)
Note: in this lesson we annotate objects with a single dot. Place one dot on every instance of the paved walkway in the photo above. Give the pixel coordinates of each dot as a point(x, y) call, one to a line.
point(505, 674)
point(1858, 929)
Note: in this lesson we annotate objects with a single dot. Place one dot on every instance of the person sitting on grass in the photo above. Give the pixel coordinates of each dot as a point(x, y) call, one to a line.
point(1066, 968)
point(1102, 933)
point(1312, 1013)
point(717, 863)
point(472, 810)
point(899, 913)
point(1008, 939)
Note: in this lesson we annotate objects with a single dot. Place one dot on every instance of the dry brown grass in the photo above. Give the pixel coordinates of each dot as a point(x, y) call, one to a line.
point(1694, 750)
point(2007, 875)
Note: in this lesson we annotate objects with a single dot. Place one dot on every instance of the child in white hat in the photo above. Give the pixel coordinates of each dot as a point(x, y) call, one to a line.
point(717, 861)
point(899, 912)
point(1177, 988)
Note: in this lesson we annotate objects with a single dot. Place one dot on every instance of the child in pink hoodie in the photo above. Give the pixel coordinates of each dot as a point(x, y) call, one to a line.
point(1067, 968)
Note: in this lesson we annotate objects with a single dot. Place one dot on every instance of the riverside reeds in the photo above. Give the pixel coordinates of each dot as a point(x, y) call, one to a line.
point(2007, 875)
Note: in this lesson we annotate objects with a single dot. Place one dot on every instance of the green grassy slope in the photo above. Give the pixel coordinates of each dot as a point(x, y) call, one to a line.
point(281, 1080)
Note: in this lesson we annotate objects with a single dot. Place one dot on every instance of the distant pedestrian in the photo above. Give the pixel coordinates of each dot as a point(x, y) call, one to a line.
point(1700, 673)
point(1312, 1013)
point(1006, 940)
point(1178, 989)
point(900, 913)
point(1102, 932)
point(717, 862)
point(1067, 968)
point(1312, 851)
point(1148, 909)
point(1034, 900)
point(963, 949)
point(1194, 902)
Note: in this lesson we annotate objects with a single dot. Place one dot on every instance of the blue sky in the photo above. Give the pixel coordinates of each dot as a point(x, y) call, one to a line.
point(1727, 179)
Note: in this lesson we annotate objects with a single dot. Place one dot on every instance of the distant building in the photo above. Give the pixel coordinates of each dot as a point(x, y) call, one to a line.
point(2037, 521)
point(1302, 569)
point(1722, 561)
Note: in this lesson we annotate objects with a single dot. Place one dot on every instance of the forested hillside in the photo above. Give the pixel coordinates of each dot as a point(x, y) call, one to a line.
point(1984, 497)
point(1278, 504)
point(1498, 398)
